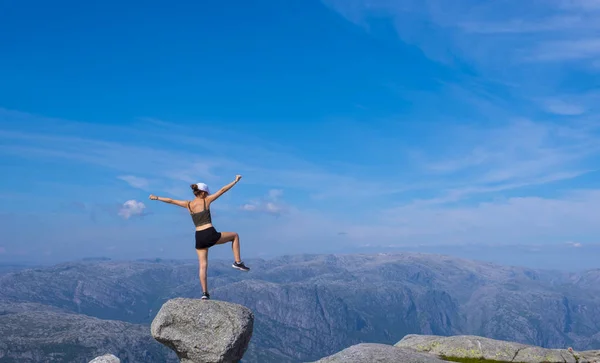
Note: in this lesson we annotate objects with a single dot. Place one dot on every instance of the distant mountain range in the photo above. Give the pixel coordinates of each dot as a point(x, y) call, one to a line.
point(306, 307)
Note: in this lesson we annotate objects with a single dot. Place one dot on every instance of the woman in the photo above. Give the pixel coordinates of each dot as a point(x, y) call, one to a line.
point(206, 235)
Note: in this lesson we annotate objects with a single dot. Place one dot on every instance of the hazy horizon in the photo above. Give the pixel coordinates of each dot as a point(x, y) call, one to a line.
point(553, 257)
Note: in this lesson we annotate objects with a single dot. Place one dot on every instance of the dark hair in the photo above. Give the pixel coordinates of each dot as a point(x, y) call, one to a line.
point(196, 190)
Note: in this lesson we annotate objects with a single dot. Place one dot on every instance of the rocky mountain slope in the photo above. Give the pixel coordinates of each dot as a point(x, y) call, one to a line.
point(202, 331)
point(310, 306)
point(33, 333)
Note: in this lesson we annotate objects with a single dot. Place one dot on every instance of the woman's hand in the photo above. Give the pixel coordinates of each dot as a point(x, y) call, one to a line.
point(153, 197)
point(213, 197)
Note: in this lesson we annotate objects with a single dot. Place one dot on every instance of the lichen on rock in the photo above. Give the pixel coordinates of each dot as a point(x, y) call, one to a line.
point(464, 348)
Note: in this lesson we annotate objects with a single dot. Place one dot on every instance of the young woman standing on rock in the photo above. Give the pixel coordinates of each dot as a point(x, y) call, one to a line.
point(206, 235)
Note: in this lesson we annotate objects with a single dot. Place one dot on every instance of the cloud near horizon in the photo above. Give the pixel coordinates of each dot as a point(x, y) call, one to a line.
point(132, 208)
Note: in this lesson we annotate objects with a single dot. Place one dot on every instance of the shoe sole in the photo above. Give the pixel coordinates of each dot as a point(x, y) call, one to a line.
point(239, 268)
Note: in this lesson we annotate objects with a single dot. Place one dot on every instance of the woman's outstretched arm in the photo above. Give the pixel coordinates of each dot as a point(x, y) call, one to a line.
point(181, 203)
point(213, 197)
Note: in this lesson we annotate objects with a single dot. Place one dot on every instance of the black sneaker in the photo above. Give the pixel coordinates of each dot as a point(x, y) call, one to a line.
point(240, 266)
point(205, 296)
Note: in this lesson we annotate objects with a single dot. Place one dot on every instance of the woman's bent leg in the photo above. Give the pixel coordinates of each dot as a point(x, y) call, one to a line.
point(235, 246)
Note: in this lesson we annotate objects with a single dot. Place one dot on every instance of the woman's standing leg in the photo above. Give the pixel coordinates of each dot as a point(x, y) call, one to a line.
point(203, 266)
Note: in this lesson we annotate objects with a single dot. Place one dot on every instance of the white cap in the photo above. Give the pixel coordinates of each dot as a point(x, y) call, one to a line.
point(203, 187)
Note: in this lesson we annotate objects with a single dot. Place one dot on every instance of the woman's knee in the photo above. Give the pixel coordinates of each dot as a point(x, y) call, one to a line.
point(231, 236)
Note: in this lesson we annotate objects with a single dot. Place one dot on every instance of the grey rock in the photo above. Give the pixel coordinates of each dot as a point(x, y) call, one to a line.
point(107, 358)
point(588, 356)
point(378, 353)
point(468, 346)
point(204, 331)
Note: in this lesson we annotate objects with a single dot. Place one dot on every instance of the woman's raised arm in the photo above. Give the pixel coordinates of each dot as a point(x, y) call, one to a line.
point(181, 203)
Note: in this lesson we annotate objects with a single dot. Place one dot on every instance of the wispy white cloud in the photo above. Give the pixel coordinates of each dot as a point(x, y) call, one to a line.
point(136, 182)
point(270, 204)
point(509, 40)
point(522, 220)
point(504, 158)
point(561, 107)
point(521, 26)
point(580, 4)
point(132, 208)
point(173, 168)
point(275, 194)
point(566, 50)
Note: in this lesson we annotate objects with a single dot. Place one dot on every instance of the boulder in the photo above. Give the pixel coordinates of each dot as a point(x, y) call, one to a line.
point(204, 330)
point(468, 346)
point(378, 353)
point(107, 358)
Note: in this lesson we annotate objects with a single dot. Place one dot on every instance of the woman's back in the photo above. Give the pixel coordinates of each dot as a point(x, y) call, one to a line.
point(198, 205)
point(200, 212)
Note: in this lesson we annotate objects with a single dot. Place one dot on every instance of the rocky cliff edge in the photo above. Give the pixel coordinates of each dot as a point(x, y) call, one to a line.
point(217, 331)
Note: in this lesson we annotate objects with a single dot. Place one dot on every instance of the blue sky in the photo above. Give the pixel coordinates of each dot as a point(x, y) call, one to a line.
point(354, 124)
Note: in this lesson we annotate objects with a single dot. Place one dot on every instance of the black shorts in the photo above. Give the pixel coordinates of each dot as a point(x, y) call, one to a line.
point(207, 238)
